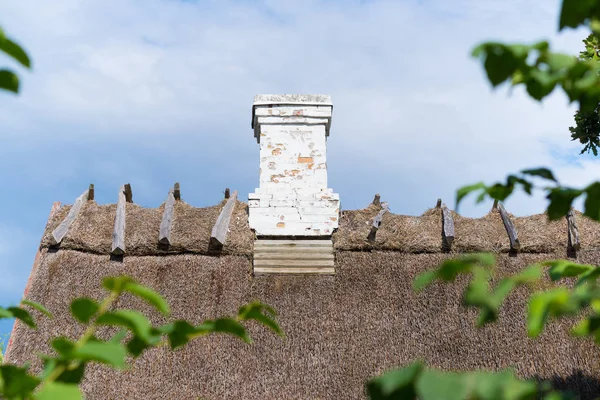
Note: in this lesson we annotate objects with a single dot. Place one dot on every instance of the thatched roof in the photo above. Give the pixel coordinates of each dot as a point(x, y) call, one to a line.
point(340, 329)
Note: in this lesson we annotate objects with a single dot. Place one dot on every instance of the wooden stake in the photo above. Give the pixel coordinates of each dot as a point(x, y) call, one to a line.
point(164, 235)
point(118, 238)
point(439, 203)
point(447, 227)
point(227, 193)
point(495, 206)
point(176, 191)
point(573, 233)
point(377, 200)
point(377, 222)
point(219, 231)
point(510, 229)
point(128, 193)
point(61, 230)
point(91, 192)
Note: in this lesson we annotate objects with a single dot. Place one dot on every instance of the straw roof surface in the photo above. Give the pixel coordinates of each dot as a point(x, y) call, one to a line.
point(92, 230)
point(423, 234)
point(340, 329)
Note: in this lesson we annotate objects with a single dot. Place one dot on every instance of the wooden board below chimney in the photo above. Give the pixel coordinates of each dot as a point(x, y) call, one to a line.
point(294, 257)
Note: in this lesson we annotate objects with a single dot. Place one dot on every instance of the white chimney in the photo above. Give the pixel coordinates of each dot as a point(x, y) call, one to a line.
point(293, 198)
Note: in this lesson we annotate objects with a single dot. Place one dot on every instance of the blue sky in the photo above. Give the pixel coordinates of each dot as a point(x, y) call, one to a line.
point(152, 92)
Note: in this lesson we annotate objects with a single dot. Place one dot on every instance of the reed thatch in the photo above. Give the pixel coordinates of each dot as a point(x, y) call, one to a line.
point(423, 234)
point(92, 230)
point(340, 329)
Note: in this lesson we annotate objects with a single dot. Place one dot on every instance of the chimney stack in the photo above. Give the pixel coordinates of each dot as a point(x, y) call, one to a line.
point(293, 198)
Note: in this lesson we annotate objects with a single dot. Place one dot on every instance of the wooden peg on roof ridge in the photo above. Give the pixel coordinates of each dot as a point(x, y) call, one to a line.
point(118, 237)
point(377, 222)
point(227, 193)
point(447, 227)
point(128, 193)
point(176, 191)
point(439, 203)
point(495, 206)
point(61, 230)
point(91, 192)
point(573, 231)
point(164, 234)
point(377, 200)
point(510, 229)
point(221, 227)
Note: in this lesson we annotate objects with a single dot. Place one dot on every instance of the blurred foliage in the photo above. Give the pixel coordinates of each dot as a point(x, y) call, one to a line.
point(8, 78)
point(64, 370)
point(541, 72)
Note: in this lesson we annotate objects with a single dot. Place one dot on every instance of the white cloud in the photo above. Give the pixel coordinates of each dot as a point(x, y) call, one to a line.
point(411, 108)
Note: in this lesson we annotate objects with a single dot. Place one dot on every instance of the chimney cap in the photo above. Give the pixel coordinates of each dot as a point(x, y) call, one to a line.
point(289, 99)
point(283, 99)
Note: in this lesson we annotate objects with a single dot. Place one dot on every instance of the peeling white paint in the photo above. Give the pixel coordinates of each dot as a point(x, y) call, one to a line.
point(293, 198)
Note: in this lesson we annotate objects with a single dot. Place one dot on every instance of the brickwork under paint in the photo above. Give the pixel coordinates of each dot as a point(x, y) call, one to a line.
point(293, 198)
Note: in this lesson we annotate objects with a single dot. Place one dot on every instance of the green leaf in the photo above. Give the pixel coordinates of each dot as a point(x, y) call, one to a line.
point(478, 295)
point(256, 311)
point(450, 269)
point(532, 273)
point(71, 374)
point(17, 382)
point(135, 321)
point(104, 352)
point(465, 190)
point(520, 51)
point(15, 51)
point(500, 63)
point(63, 346)
point(126, 284)
point(544, 173)
point(540, 84)
point(179, 333)
point(148, 295)
point(557, 61)
point(225, 325)
point(587, 81)
point(560, 396)
point(564, 268)
point(4, 313)
point(541, 306)
point(23, 315)
point(396, 384)
point(119, 336)
point(423, 280)
point(589, 276)
point(499, 191)
point(83, 309)
point(592, 201)
point(503, 385)
point(9, 81)
point(561, 200)
point(37, 306)
point(59, 390)
point(574, 13)
point(542, 46)
point(116, 284)
point(136, 346)
point(435, 385)
point(586, 326)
